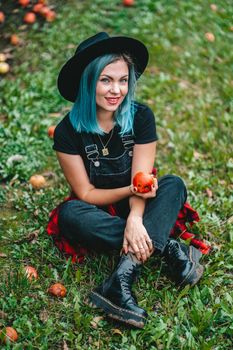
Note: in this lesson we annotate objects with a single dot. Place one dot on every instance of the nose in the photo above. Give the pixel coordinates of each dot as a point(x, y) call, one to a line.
point(115, 89)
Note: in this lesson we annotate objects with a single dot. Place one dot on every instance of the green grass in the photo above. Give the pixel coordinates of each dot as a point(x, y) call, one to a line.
point(188, 84)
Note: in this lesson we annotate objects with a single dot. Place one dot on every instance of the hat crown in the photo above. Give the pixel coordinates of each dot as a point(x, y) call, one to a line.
point(92, 40)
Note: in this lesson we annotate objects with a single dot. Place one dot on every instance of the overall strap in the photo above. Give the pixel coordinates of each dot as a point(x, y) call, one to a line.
point(128, 143)
point(91, 148)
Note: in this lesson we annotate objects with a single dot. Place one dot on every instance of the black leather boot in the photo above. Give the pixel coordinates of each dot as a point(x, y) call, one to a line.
point(115, 297)
point(183, 263)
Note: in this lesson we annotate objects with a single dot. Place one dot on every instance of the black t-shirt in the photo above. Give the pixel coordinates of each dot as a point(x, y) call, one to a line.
point(68, 140)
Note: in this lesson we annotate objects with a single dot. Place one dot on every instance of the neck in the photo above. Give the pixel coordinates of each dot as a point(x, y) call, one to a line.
point(105, 120)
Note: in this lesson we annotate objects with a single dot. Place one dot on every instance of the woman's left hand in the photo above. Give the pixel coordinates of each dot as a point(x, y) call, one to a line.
point(136, 239)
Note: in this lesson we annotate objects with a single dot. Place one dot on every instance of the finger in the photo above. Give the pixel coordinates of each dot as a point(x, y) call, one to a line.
point(149, 243)
point(125, 246)
point(136, 251)
point(146, 250)
point(130, 249)
point(155, 183)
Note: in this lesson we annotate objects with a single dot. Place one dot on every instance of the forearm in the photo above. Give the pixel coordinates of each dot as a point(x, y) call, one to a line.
point(106, 196)
point(137, 206)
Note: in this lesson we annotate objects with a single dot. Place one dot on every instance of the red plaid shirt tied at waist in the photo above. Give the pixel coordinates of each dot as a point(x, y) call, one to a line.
point(187, 215)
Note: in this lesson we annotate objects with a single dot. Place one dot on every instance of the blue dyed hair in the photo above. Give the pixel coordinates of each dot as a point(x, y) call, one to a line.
point(83, 114)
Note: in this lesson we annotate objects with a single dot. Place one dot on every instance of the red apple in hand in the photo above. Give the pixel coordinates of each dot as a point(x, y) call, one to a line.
point(143, 182)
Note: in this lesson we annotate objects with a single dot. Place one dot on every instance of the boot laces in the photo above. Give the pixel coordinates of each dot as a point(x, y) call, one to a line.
point(175, 252)
point(128, 277)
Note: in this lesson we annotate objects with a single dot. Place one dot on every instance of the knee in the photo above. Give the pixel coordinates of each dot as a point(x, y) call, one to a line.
point(174, 182)
point(73, 211)
point(178, 182)
point(67, 212)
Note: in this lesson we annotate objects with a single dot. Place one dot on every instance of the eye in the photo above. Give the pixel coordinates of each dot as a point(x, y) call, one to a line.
point(125, 80)
point(104, 80)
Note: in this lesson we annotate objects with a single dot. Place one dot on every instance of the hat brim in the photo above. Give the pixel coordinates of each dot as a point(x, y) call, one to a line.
point(70, 74)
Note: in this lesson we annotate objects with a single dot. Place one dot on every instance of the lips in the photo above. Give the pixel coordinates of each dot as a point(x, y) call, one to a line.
point(112, 100)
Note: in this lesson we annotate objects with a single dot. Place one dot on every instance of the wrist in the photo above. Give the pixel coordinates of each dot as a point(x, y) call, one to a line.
point(131, 190)
point(134, 217)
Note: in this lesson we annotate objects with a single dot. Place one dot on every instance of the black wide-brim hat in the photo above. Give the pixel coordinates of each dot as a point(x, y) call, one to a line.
point(93, 47)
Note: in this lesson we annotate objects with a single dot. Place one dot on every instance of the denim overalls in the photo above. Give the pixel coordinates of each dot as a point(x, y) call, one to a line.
point(107, 172)
point(94, 228)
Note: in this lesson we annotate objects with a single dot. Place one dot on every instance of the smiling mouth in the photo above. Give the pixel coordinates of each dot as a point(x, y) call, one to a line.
point(112, 100)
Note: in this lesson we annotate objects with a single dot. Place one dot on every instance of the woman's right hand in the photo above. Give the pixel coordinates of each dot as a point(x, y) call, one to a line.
point(150, 194)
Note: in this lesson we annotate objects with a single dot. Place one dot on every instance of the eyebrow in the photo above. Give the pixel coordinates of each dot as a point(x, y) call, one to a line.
point(105, 75)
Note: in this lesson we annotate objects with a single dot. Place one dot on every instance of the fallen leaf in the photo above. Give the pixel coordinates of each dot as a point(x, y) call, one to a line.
point(54, 115)
point(210, 37)
point(230, 220)
point(36, 212)
point(183, 84)
point(44, 316)
point(14, 180)
point(97, 344)
point(213, 7)
point(157, 307)
point(3, 117)
point(70, 46)
point(3, 315)
point(216, 246)
point(197, 155)
point(209, 192)
point(96, 321)
point(22, 27)
point(65, 346)
point(117, 331)
point(49, 174)
point(222, 182)
point(7, 50)
point(31, 237)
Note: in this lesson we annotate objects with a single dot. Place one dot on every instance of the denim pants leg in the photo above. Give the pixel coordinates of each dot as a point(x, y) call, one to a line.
point(161, 212)
point(95, 229)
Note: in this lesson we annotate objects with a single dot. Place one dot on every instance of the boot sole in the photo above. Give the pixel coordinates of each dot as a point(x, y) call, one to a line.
point(115, 312)
point(197, 270)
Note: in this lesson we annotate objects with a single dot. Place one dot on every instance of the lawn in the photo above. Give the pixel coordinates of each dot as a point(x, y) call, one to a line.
point(188, 84)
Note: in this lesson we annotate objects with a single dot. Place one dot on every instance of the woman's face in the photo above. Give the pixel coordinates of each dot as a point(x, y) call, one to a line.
point(112, 86)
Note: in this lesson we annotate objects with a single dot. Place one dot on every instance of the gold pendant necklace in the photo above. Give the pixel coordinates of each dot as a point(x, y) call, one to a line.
point(105, 151)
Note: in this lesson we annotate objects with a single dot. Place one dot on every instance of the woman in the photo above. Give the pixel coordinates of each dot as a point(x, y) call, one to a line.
point(101, 144)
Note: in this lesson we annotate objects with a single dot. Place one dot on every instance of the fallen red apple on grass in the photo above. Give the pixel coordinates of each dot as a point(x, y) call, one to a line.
point(30, 18)
point(4, 67)
point(51, 130)
point(57, 290)
point(50, 16)
point(128, 2)
point(14, 40)
point(2, 17)
point(2, 57)
point(143, 182)
point(10, 335)
point(37, 7)
point(24, 3)
point(210, 37)
point(37, 181)
point(31, 273)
